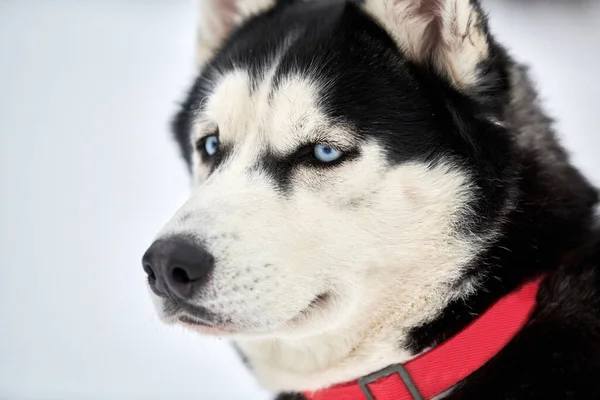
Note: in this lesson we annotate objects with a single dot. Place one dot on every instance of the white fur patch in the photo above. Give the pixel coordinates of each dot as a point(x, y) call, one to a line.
point(443, 32)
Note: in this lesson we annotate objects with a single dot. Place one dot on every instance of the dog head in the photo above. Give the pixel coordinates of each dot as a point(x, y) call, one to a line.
point(345, 156)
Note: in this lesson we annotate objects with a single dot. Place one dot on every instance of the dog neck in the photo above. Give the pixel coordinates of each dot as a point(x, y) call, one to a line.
point(376, 338)
point(319, 361)
point(436, 372)
point(482, 339)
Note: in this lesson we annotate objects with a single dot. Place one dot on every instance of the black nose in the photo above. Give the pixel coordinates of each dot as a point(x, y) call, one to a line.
point(177, 266)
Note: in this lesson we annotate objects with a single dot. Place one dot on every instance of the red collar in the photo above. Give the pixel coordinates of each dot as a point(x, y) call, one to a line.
point(439, 369)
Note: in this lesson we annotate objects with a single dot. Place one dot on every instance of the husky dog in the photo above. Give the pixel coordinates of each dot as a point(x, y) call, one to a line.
point(369, 178)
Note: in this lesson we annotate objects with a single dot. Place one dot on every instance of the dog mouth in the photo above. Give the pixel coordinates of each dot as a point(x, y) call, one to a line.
point(205, 322)
point(191, 321)
point(320, 302)
point(191, 316)
point(204, 326)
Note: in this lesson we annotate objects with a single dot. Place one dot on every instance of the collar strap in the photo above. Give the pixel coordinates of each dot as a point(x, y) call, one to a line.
point(444, 366)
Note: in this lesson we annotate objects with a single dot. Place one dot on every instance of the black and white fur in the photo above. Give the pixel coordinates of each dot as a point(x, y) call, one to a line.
point(453, 190)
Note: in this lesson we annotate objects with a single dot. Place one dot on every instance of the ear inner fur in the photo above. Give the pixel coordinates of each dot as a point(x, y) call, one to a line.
point(448, 35)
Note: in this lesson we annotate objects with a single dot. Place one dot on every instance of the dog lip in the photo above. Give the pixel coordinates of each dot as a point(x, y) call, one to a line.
point(199, 313)
point(188, 314)
point(319, 301)
point(187, 320)
point(205, 327)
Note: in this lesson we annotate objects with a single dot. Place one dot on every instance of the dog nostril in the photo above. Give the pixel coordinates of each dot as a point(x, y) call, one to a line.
point(177, 267)
point(180, 275)
point(149, 272)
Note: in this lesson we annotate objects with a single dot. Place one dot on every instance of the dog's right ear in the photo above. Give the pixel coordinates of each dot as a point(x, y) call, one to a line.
point(449, 35)
point(218, 18)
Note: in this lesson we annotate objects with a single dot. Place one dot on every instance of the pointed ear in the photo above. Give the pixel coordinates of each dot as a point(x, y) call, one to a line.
point(449, 35)
point(218, 18)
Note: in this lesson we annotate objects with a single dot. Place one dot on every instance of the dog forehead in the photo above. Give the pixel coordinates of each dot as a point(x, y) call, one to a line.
point(281, 112)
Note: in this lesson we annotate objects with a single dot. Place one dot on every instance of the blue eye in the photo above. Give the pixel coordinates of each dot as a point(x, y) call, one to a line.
point(211, 145)
point(327, 154)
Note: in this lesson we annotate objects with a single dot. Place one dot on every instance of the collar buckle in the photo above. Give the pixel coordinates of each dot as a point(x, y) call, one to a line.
point(399, 369)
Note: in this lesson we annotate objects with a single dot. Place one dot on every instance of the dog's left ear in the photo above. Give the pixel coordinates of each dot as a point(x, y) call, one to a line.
point(449, 35)
point(218, 18)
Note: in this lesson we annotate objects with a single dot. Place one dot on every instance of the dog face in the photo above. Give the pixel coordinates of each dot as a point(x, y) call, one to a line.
point(335, 149)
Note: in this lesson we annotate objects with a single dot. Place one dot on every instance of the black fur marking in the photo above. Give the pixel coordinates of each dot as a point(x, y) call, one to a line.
point(281, 169)
point(290, 396)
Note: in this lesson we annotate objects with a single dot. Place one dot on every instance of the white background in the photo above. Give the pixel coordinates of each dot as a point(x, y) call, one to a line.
point(89, 173)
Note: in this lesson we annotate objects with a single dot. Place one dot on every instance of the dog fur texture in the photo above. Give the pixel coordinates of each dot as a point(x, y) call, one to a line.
point(450, 192)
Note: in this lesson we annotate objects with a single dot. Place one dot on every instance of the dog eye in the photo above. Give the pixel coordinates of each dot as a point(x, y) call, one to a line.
point(211, 145)
point(327, 154)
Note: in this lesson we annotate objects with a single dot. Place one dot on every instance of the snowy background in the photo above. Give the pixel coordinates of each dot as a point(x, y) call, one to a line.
point(88, 174)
